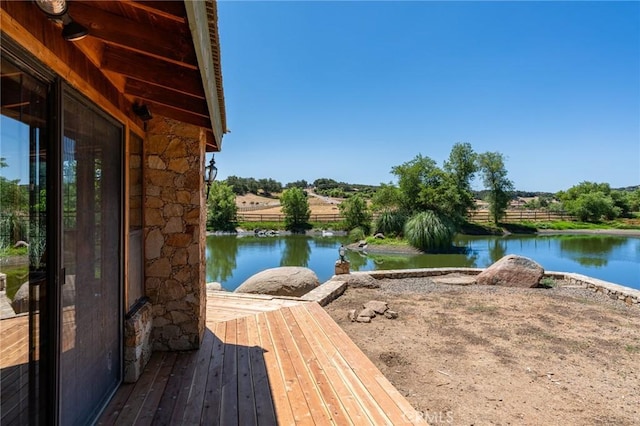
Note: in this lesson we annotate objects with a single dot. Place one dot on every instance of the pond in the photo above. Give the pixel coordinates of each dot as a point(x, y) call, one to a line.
point(233, 259)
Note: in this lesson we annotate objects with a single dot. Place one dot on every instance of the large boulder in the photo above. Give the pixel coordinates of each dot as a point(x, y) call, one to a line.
point(285, 281)
point(20, 302)
point(512, 271)
point(358, 280)
point(213, 286)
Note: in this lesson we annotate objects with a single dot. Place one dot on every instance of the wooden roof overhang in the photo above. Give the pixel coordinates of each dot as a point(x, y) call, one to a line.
point(164, 54)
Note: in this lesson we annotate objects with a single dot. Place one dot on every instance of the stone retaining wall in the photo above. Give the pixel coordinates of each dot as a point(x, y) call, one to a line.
point(628, 295)
point(420, 273)
point(326, 292)
point(625, 294)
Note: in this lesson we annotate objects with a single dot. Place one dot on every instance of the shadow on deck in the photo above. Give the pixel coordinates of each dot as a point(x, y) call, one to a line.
point(279, 362)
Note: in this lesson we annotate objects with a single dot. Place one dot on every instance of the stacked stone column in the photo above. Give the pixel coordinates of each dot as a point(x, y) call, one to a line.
point(175, 233)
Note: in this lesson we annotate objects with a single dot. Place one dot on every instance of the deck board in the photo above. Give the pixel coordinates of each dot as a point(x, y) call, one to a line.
point(229, 396)
point(211, 405)
point(281, 404)
point(263, 361)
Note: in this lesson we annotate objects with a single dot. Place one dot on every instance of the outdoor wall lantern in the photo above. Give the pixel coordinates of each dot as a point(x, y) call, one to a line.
point(58, 11)
point(341, 252)
point(211, 171)
point(142, 111)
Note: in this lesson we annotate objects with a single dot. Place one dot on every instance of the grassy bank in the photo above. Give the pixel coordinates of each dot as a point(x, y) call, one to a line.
point(279, 226)
point(477, 228)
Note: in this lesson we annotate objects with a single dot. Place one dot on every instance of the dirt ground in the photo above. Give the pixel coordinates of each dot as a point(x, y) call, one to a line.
point(481, 355)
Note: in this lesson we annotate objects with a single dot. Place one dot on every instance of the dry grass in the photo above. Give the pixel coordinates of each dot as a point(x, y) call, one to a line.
point(269, 205)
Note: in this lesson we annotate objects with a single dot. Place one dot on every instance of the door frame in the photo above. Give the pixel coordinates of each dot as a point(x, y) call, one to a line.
point(44, 372)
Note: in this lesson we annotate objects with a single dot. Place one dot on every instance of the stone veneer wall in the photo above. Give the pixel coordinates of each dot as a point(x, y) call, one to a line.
point(174, 222)
point(137, 342)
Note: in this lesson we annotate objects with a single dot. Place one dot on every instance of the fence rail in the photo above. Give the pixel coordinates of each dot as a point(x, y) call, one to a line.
point(258, 217)
point(477, 216)
point(257, 207)
point(522, 215)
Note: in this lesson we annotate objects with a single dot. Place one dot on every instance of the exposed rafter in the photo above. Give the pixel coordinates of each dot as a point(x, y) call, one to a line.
point(142, 90)
point(161, 53)
point(152, 70)
point(129, 34)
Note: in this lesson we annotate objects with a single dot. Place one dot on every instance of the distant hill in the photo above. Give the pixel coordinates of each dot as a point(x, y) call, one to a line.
point(516, 194)
point(628, 188)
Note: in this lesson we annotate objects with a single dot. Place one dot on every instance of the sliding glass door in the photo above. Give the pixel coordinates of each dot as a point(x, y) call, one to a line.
point(23, 266)
point(90, 360)
point(61, 232)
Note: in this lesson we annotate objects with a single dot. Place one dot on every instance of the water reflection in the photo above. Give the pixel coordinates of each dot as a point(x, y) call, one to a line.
point(497, 249)
point(357, 260)
point(231, 259)
point(296, 251)
point(222, 252)
point(589, 250)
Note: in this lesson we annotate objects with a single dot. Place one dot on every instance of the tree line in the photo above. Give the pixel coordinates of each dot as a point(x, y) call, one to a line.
point(431, 202)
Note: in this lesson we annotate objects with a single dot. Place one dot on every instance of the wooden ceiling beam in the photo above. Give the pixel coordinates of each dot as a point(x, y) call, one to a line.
point(124, 32)
point(142, 90)
point(179, 115)
point(167, 9)
point(152, 70)
point(22, 21)
point(211, 143)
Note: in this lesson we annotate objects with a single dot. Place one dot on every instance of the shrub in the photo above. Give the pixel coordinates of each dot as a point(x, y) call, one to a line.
point(356, 234)
point(547, 282)
point(429, 232)
point(390, 223)
point(356, 213)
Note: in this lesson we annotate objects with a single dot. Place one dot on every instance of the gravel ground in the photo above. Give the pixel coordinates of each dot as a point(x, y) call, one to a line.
point(426, 285)
point(487, 355)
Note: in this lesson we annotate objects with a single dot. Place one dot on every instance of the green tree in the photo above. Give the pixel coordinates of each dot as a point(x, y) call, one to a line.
point(592, 202)
point(14, 207)
point(295, 207)
point(269, 186)
point(494, 177)
point(622, 202)
point(297, 184)
point(356, 213)
point(13, 196)
point(417, 180)
point(592, 207)
point(221, 208)
point(461, 166)
point(238, 185)
point(634, 200)
point(425, 186)
point(386, 198)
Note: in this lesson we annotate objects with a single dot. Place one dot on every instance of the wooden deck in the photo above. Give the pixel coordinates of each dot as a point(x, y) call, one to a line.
point(263, 361)
point(14, 363)
point(14, 369)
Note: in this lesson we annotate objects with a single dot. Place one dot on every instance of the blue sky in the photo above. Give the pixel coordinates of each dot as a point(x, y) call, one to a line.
point(347, 90)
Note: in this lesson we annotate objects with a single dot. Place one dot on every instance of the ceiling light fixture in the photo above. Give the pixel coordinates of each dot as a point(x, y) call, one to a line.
point(58, 11)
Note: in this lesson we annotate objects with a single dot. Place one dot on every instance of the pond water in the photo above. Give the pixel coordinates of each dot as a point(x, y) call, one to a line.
point(232, 259)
